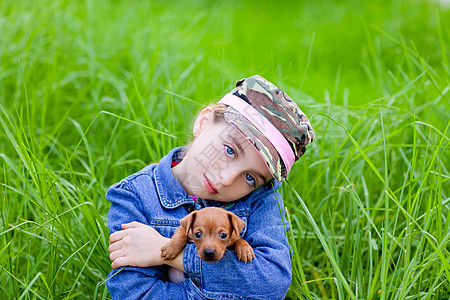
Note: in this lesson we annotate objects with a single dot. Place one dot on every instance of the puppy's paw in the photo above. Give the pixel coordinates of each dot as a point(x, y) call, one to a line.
point(169, 251)
point(244, 251)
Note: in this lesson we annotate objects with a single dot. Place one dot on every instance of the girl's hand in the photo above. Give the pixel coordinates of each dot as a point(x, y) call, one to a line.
point(137, 245)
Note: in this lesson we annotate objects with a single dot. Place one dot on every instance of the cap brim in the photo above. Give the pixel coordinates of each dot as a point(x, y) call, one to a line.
point(265, 149)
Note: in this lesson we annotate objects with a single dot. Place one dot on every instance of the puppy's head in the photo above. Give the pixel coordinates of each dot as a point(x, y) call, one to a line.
point(213, 230)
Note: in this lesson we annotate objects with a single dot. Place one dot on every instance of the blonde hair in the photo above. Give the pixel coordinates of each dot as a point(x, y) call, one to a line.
point(219, 115)
point(219, 111)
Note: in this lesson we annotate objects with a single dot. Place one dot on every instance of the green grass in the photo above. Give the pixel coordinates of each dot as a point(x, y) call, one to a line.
point(87, 87)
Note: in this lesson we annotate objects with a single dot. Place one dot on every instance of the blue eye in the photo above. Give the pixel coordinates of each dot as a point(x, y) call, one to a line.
point(223, 235)
point(198, 235)
point(250, 179)
point(229, 151)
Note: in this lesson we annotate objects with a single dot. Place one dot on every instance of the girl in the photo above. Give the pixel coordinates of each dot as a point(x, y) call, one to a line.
point(243, 148)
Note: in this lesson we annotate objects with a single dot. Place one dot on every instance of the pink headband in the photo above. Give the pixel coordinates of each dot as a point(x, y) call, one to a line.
point(265, 126)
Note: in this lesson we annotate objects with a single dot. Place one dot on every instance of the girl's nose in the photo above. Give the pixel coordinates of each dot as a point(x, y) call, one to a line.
point(228, 175)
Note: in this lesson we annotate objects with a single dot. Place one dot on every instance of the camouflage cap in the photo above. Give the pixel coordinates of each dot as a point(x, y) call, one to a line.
point(271, 121)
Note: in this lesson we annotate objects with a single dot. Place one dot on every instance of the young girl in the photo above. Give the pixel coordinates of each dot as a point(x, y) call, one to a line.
point(243, 148)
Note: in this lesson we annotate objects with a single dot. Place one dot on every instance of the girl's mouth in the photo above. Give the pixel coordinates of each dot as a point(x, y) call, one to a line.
point(210, 188)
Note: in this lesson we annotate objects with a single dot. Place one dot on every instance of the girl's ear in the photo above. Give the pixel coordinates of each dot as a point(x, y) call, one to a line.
point(205, 118)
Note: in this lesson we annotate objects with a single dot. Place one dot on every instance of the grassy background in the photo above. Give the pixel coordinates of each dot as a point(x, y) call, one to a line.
point(85, 84)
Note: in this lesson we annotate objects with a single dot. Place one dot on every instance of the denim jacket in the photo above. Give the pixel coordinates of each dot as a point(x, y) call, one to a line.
point(153, 196)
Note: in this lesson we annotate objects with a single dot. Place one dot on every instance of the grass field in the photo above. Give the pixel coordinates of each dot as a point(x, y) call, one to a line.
point(87, 87)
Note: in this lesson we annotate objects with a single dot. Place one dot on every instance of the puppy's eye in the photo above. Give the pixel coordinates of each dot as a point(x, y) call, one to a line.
point(223, 235)
point(198, 235)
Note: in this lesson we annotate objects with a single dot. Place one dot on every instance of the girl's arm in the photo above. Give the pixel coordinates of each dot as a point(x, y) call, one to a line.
point(139, 245)
point(135, 282)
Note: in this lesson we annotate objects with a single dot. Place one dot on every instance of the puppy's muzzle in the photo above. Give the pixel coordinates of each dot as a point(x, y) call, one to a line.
point(209, 254)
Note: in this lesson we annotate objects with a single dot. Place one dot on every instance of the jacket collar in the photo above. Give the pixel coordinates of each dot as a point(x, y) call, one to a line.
point(171, 193)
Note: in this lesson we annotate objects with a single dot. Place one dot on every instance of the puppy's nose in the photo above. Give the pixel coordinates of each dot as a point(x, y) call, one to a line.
point(210, 253)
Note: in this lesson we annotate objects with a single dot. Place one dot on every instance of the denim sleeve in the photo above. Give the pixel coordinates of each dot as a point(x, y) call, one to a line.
point(270, 273)
point(134, 282)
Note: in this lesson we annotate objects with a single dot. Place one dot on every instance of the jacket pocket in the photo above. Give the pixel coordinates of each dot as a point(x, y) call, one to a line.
point(165, 227)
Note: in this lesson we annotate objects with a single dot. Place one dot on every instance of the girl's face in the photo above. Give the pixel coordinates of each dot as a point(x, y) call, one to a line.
point(221, 164)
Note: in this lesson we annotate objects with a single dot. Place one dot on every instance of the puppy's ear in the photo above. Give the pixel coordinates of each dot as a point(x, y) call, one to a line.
point(187, 221)
point(236, 226)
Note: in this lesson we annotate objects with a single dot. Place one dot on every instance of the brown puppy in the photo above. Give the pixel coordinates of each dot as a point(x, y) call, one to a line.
point(212, 229)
